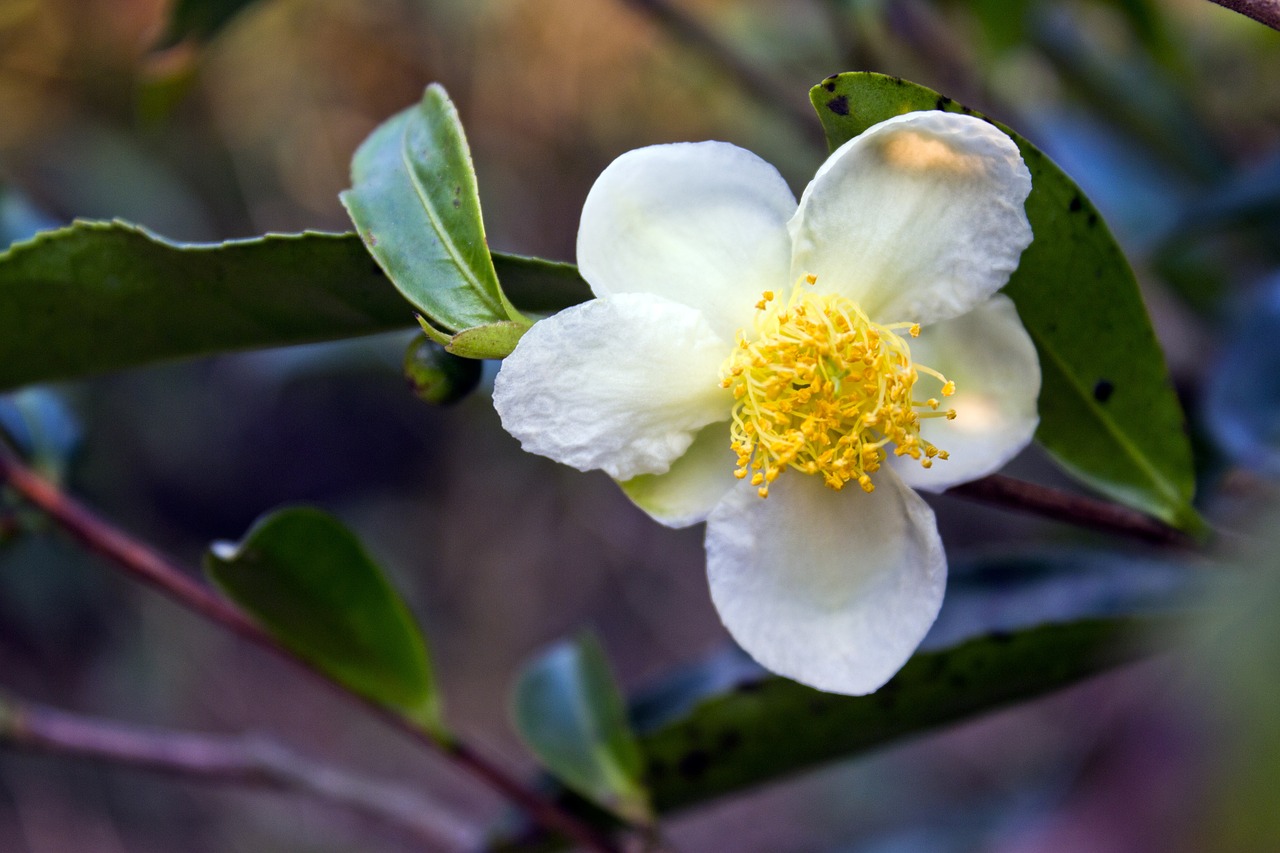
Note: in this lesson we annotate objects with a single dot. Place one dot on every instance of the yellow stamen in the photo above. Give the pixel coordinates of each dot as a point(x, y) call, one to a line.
point(821, 388)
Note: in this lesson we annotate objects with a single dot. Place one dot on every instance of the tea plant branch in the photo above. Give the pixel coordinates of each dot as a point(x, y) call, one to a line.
point(1263, 11)
point(247, 760)
point(706, 43)
point(141, 562)
point(1019, 495)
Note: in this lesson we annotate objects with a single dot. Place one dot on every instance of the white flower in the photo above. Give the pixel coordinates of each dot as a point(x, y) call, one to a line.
point(741, 346)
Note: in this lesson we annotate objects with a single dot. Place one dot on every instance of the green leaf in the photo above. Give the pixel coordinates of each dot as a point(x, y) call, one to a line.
point(569, 712)
point(308, 580)
point(766, 728)
point(201, 18)
point(1107, 408)
point(414, 202)
point(538, 285)
point(100, 296)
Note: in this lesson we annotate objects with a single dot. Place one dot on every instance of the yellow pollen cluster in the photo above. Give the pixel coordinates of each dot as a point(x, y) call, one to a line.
point(820, 388)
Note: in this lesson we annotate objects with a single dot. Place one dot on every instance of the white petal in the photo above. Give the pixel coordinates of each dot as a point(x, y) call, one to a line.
point(918, 219)
point(702, 223)
point(831, 589)
point(696, 482)
point(621, 384)
point(991, 358)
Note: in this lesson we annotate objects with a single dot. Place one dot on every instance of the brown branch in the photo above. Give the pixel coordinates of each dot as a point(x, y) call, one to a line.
point(754, 82)
point(1022, 496)
point(139, 561)
point(1263, 11)
point(245, 760)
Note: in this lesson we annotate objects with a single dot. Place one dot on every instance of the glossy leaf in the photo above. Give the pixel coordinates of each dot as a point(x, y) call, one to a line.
point(100, 296)
point(569, 712)
point(415, 204)
point(1107, 408)
point(308, 580)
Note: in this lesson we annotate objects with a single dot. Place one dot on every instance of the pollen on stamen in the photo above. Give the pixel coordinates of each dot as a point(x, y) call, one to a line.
point(821, 388)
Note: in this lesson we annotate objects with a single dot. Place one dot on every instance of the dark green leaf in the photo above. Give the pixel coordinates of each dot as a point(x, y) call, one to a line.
point(769, 727)
point(101, 296)
point(1107, 408)
point(201, 18)
point(569, 712)
point(307, 579)
point(415, 204)
point(540, 286)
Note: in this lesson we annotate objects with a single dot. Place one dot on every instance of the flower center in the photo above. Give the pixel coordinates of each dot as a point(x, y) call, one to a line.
point(822, 389)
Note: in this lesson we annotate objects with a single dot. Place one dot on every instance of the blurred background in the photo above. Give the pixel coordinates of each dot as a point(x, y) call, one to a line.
point(221, 119)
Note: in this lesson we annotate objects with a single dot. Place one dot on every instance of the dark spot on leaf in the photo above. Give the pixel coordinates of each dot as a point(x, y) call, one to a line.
point(899, 81)
point(830, 83)
point(730, 740)
point(1093, 219)
point(839, 105)
point(1001, 637)
point(1076, 203)
point(693, 765)
point(1103, 390)
point(749, 686)
point(377, 270)
point(942, 103)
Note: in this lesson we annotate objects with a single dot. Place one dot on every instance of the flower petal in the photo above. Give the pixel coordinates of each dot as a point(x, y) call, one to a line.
point(621, 384)
point(832, 589)
point(991, 358)
point(918, 219)
point(696, 482)
point(702, 223)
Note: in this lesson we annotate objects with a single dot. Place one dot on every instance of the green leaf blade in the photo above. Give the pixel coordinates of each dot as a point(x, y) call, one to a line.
point(1108, 411)
point(101, 296)
point(569, 712)
point(768, 728)
point(415, 203)
point(309, 582)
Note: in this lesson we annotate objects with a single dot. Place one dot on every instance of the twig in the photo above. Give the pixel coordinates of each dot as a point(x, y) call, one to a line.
point(1263, 11)
point(756, 83)
point(1022, 496)
point(230, 759)
point(141, 562)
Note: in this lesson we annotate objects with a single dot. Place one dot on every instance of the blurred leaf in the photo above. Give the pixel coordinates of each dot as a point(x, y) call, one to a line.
point(415, 204)
point(101, 296)
point(436, 376)
point(1107, 408)
point(19, 218)
point(1131, 92)
point(1242, 405)
point(201, 18)
point(40, 425)
point(569, 712)
point(767, 728)
point(308, 580)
